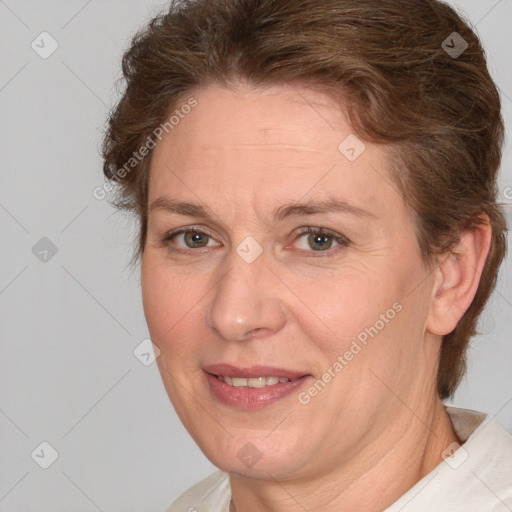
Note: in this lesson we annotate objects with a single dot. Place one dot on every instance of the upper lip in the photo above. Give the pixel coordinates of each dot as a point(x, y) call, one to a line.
point(252, 371)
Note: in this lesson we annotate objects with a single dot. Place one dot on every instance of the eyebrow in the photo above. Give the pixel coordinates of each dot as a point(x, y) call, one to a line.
point(329, 205)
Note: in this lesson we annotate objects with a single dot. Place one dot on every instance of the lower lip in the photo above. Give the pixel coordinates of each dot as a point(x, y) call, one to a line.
point(252, 398)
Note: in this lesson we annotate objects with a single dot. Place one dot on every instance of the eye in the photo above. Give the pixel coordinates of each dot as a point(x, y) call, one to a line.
point(310, 239)
point(319, 239)
point(187, 238)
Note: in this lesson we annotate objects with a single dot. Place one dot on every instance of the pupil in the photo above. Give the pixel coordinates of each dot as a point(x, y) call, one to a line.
point(321, 241)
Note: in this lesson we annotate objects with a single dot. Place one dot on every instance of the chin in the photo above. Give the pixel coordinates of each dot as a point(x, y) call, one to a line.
point(256, 456)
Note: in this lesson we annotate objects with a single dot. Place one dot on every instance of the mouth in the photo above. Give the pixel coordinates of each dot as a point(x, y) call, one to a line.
point(251, 382)
point(252, 387)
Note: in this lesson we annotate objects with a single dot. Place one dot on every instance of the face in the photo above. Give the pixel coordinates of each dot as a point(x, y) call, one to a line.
point(282, 283)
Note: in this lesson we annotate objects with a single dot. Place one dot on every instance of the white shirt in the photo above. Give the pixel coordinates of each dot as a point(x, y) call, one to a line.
point(476, 478)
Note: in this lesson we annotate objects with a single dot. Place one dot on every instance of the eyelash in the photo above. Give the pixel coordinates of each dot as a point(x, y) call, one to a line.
point(308, 230)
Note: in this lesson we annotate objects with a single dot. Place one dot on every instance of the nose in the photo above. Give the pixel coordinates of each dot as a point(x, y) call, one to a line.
point(246, 302)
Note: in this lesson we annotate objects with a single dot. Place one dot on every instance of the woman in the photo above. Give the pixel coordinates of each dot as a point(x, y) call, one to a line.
point(315, 183)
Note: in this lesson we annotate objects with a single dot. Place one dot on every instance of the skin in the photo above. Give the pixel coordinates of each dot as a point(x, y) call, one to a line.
point(378, 426)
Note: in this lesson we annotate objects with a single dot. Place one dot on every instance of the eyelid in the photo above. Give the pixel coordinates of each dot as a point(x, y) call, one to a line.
point(186, 229)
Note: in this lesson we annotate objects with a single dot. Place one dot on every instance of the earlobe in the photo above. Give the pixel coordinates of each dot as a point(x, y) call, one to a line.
point(457, 278)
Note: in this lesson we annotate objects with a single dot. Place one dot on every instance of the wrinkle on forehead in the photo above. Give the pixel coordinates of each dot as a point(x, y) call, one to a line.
point(276, 146)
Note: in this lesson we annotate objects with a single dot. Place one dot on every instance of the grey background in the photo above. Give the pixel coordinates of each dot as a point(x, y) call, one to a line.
point(69, 325)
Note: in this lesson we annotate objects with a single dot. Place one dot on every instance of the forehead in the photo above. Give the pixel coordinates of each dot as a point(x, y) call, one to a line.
point(281, 114)
point(246, 145)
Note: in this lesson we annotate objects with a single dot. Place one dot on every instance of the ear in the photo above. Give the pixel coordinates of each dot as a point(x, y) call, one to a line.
point(457, 277)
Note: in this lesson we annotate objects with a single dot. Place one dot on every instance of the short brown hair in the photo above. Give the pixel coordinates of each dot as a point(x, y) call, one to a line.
point(389, 61)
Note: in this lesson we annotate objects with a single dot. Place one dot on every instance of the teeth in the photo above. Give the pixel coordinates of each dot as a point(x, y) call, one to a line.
point(252, 382)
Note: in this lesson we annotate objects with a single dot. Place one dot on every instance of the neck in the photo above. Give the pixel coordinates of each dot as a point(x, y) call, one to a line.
point(371, 485)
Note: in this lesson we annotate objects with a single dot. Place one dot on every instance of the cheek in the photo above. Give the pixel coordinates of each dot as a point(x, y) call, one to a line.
point(171, 307)
point(367, 315)
point(334, 309)
point(168, 299)
point(381, 348)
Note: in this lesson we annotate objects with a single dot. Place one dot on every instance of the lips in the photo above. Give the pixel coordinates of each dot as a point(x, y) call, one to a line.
point(252, 387)
point(252, 371)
